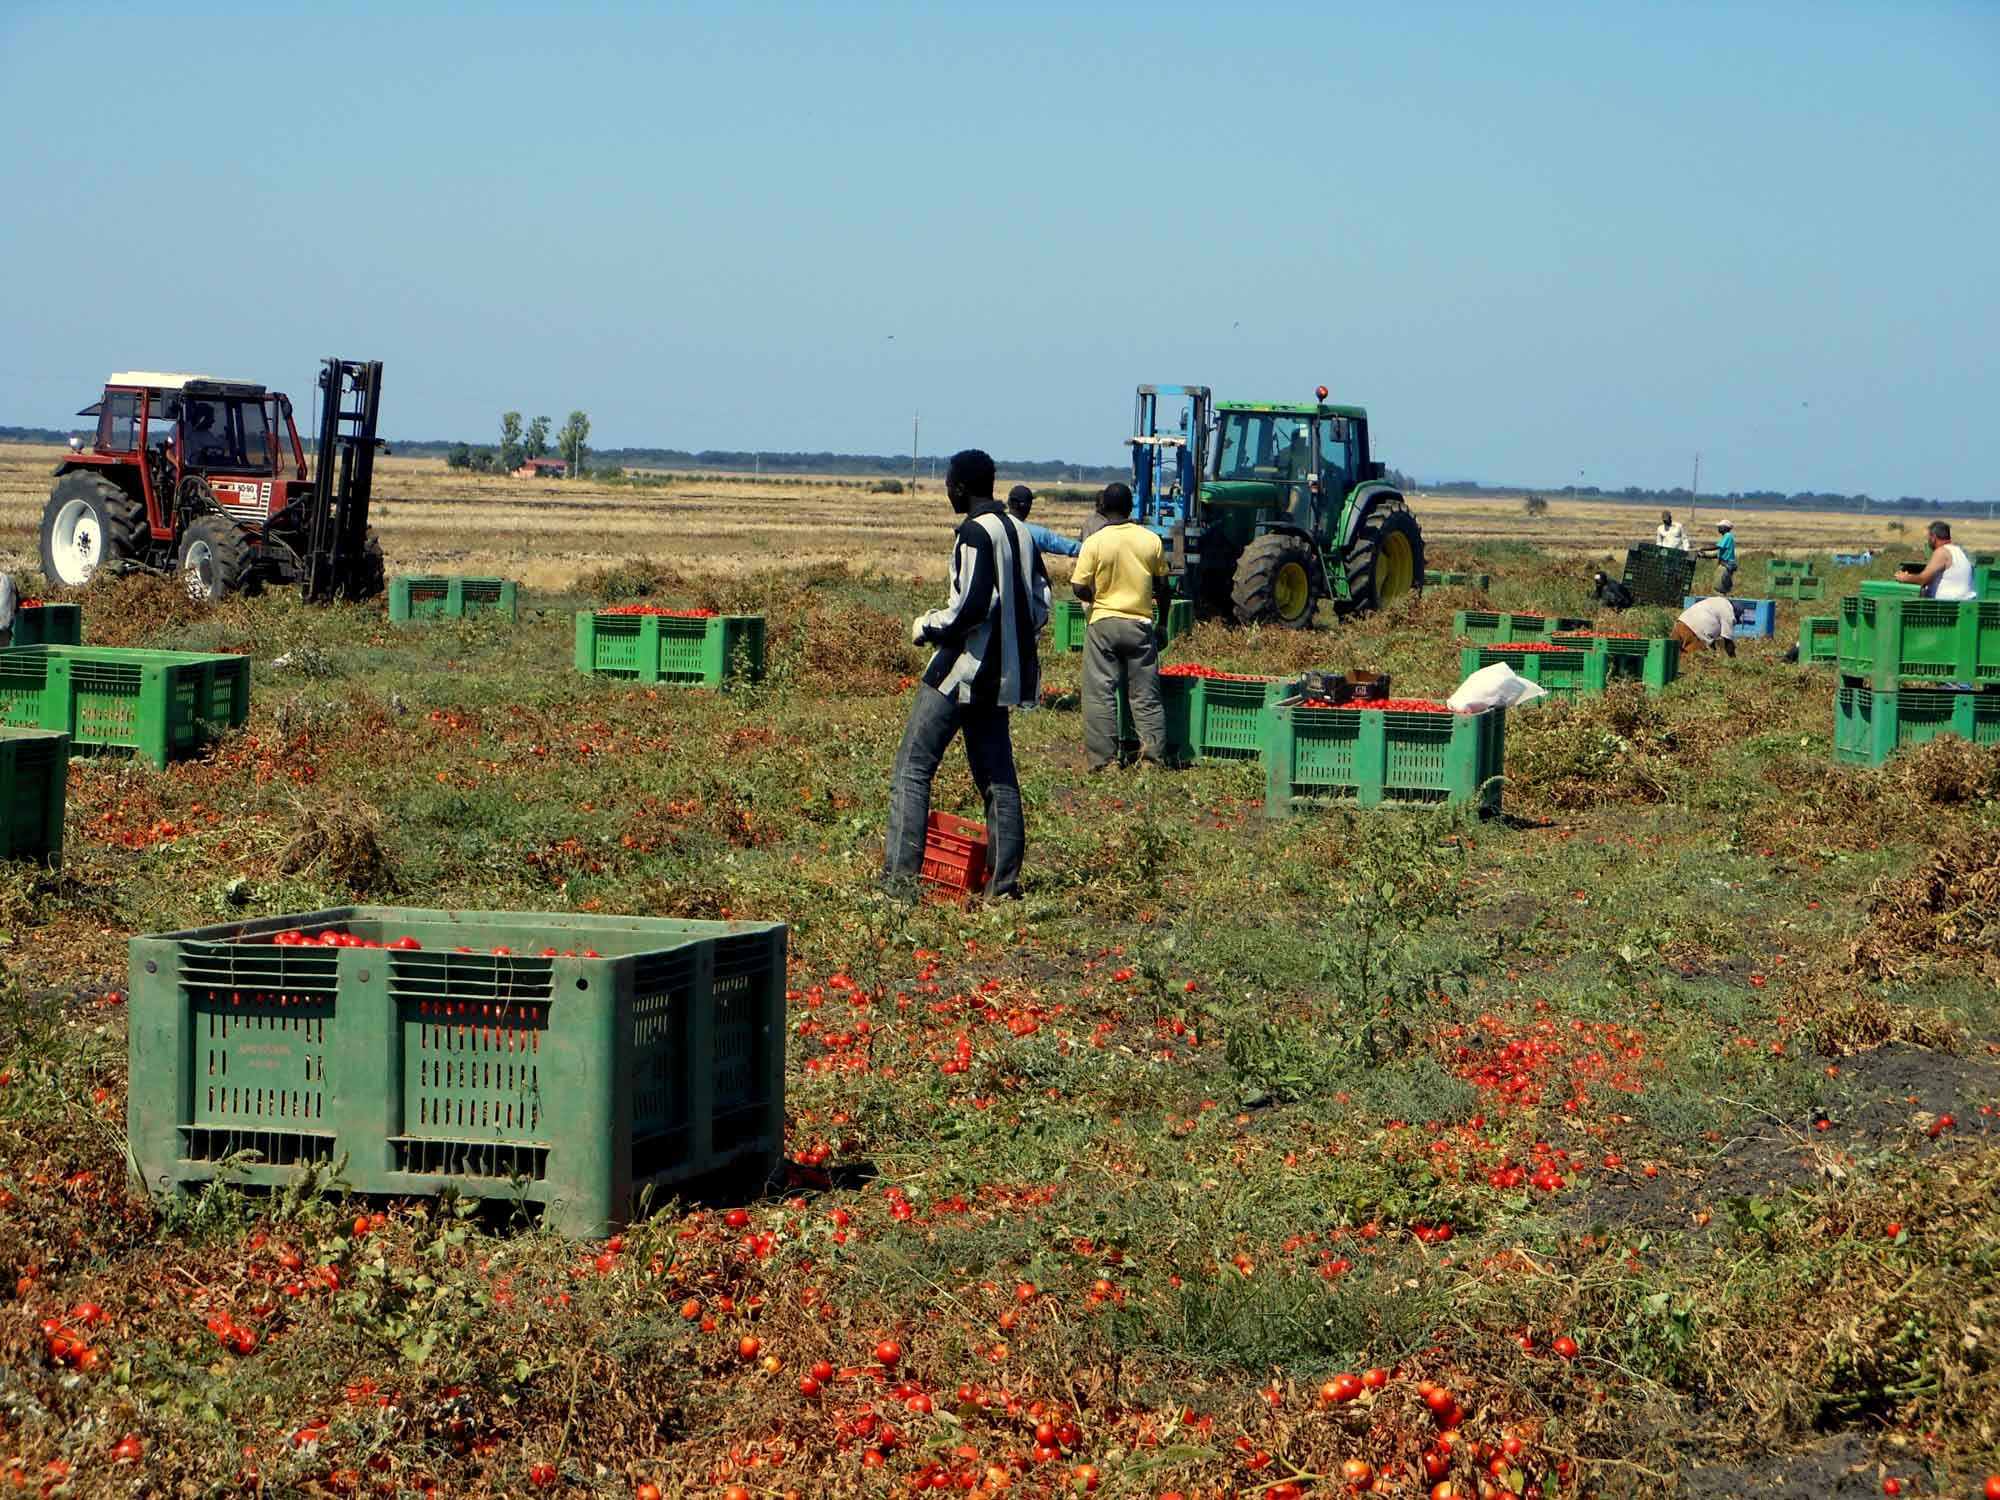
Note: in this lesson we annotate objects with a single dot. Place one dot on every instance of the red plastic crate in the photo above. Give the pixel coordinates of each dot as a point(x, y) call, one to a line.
point(955, 853)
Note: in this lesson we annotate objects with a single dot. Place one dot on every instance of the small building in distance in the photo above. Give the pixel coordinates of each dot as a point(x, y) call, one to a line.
point(542, 468)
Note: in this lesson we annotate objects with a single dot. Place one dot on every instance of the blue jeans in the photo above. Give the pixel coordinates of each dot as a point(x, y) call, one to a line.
point(989, 750)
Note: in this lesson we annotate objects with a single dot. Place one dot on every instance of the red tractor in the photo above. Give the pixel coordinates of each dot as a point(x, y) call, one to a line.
point(208, 477)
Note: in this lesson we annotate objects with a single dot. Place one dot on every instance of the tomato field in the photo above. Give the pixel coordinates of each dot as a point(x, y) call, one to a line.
point(1637, 1142)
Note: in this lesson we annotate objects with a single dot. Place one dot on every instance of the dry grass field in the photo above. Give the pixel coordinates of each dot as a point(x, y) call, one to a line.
point(1637, 1143)
point(548, 534)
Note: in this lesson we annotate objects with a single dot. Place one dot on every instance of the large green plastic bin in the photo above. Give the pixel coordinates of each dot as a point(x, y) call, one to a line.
point(1375, 756)
point(435, 597)
point(1654, 660)
point(1870, 726)
point(158, 704)
point(1211, 718)
point(48, 625)
point(1069, 622)
point(1433, 579)
point(34, 783)
point(570, 1083)
point(1884, 640)
point(1566, 671)
point(1802, 587)
point(1497, 626)
point(1819, 640)
point(699, 650)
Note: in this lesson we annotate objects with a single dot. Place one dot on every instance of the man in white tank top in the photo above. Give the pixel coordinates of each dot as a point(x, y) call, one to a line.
point(1948, 575)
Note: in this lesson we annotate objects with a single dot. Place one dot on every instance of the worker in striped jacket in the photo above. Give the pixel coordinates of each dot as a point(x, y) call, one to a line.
point(985, 664)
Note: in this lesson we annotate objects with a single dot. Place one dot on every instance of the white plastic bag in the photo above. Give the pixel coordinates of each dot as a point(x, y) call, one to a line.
point(1497, 686)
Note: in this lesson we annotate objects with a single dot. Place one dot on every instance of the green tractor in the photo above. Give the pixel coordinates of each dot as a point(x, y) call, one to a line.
point(1268, 508)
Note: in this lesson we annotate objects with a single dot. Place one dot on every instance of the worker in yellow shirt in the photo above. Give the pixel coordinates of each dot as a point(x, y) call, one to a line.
point(1121, 574)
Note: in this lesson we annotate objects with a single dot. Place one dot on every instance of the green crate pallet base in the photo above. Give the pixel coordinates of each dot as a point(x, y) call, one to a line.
point(1565, 673)
point(1490, 627)
point(48, 625)
point(1819, 640)
point(1437, 580)
point(1381, 757)
point(1870, 726)
point(572, 1083)
point(1210, 718)
point(157, 704)
point(34, 782)
point(434, 597)
point(691, 651)
point(1069, 624)
point(1654, 661)
point(1884, 641)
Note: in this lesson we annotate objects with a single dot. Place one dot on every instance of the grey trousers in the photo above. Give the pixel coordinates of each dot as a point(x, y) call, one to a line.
point(1122, 653)
point(989, 750)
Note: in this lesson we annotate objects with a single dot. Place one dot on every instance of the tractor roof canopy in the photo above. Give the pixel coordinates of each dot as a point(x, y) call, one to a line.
point(163, 380)
point(1292, 409)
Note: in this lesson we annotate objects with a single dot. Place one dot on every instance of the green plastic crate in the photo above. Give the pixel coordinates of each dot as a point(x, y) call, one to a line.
point(158, 704)
point(1371, 757)
point(1802, 587)
point(570, 1083)
point(1884, 640)
point(1659, 575)
point(34, 784)
point(434, 597)
point(1985, 573)
point(1070, 623)
point(1567, 673)
point(1787, 567)
point(48, 625)
point(1653, 660)
point(703, 651)
point(1819, 640)
point(1496, 626)
point(1436, 580)
point(1211, 718)
point(1870, 726)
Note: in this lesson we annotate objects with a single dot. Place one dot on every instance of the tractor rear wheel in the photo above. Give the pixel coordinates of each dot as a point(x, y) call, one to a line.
point(1279, 581)
point(1385, 560)
point(89, 522)
point(215, 559)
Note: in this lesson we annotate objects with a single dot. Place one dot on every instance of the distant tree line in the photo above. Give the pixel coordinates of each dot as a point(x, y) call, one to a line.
point(1680, 495)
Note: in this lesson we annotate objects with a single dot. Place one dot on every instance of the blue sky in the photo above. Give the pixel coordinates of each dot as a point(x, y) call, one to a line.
point(1538, 241)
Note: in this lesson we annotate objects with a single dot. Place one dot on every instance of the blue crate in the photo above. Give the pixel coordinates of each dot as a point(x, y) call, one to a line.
point(1756, 619)
point(1853, 559)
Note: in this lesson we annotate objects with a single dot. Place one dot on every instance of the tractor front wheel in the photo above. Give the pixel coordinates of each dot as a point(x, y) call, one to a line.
point(88, 523)
point(1385, 560)
point(215, 559)
point(1279, 581)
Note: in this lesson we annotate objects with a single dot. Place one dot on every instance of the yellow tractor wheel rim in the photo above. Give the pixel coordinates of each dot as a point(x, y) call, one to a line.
point(1292, 591)
point(1395, 568)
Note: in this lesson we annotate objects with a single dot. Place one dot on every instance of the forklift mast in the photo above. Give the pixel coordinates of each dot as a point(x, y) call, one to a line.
point(336, 529)
point(1166, 466)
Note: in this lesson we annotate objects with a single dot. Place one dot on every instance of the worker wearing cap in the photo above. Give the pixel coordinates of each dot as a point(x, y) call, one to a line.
point(1020, 500)
point(1121, 573)
point(1707, 622)
point(1670, 533)
point(1724, 552)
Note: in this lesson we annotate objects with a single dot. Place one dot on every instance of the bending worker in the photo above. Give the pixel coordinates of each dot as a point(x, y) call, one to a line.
point(1121, 573)
point(1948, 575)
point(1707, 622)
point(1020, 500)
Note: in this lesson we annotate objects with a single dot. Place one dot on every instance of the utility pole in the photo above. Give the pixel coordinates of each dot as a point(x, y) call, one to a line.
point(1694, 492)
point(916, 426)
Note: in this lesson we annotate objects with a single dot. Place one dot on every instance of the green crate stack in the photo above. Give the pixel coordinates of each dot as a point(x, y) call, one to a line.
point(1371, 757)
point(48, 625)
point(1800, 587)
point(1659, 575)
point(690, 650)
point(1777, 568)
point(34, 784)
point(1870, 726)
point(1888, 640)
point(435, 597)
point(1436, 580)
point(1653, 660)
point(1497, 627)
point(1211, 718)
point(574, 1083)
point(1566, 672)
point(1070, 623)
point(1819, 640)
point(158, 704)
